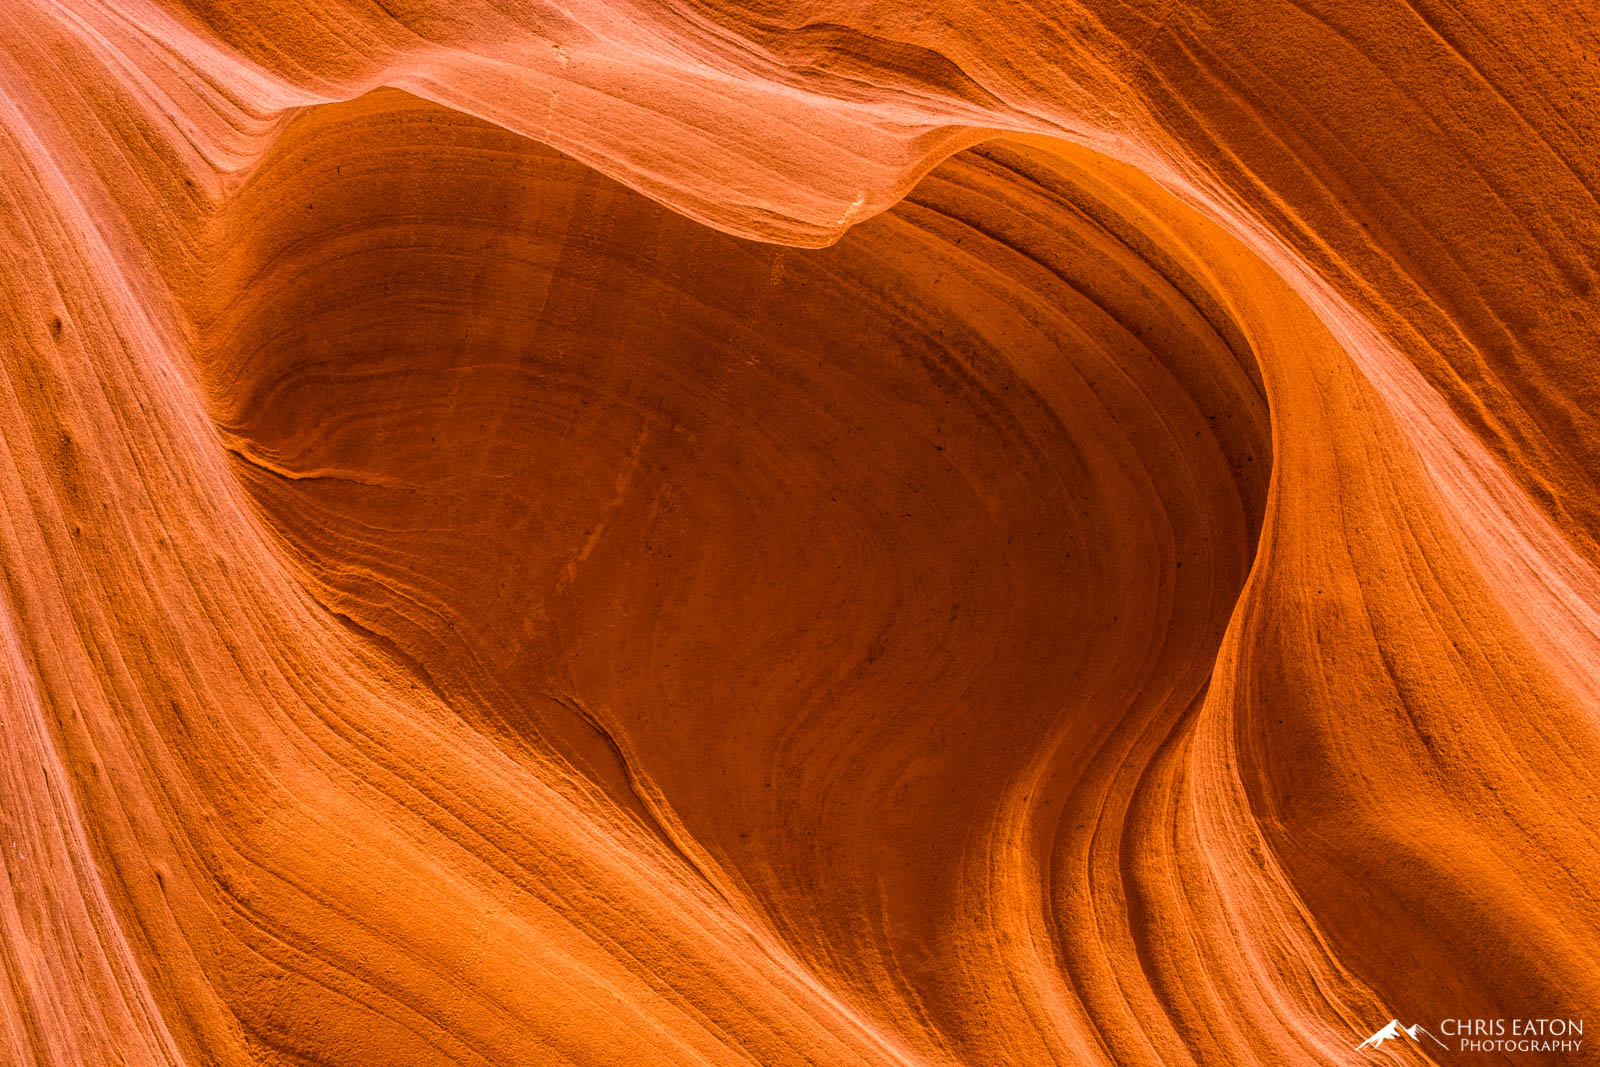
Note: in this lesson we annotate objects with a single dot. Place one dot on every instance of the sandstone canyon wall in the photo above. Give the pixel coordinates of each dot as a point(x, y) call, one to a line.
point(626, 532)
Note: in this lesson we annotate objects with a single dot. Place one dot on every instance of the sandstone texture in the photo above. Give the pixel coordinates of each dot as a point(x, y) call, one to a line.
point(634, 532)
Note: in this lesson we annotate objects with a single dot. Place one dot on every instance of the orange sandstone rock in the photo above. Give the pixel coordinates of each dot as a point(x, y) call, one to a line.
point(621, 533)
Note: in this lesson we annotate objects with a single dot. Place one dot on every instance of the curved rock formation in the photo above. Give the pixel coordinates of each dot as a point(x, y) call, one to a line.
point(619, 533)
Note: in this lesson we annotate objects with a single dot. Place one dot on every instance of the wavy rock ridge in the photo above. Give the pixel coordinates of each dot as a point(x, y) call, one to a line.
point(624, 533)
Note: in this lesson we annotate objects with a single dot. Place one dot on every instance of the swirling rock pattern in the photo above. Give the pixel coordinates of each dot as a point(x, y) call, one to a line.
point(614, 532)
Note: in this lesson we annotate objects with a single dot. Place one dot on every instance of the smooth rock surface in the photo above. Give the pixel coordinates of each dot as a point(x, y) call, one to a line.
point(615, 532)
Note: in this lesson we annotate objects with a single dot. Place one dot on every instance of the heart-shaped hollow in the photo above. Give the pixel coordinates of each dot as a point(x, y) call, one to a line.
point(807, 558)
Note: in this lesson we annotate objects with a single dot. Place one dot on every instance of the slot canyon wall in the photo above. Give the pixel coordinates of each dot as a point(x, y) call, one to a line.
point(637, 532)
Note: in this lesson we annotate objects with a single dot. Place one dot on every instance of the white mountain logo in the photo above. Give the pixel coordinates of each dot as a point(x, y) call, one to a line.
point(1392, 1031)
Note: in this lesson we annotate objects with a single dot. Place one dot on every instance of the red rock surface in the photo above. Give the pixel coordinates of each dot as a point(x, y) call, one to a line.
point(626, 533)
